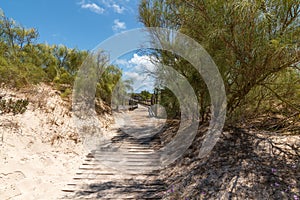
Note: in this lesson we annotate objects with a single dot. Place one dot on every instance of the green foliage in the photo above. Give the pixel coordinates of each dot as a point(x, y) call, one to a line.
point(278, 95)
point(64, 78)
point(24, 62)
point(169, 101)
point(107, 82)
point(11, 106)
point(145, 95)
point(252, 43)
point(67, 92)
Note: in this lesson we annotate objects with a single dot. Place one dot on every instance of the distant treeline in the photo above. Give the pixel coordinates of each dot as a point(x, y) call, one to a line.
point(23, 61)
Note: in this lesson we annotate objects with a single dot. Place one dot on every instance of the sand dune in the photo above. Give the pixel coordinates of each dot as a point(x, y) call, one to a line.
point(39, 151)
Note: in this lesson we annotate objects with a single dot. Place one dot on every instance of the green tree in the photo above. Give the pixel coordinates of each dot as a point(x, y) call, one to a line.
point(252, 42)
point(107, 81)
point(145, 95)
point(17, 49)
point(22, 61)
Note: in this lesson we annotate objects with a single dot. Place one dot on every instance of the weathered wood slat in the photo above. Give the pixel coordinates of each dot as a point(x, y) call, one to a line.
point(126, 168)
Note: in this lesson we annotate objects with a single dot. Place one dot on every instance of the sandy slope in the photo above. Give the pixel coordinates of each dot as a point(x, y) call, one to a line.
point(31, 169)
point(39, 150)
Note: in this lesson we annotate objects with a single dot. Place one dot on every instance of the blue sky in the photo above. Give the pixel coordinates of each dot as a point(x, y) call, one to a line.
point(74, 23)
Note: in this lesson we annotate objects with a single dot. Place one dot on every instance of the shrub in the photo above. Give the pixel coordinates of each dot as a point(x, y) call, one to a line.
point(13, 106)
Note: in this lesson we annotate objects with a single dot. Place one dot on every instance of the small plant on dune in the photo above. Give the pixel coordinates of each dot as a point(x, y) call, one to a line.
point(13, 106)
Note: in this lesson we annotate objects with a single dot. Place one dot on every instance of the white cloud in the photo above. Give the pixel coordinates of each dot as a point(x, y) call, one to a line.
point(137, 69)
point(140, 81)
point(117, 8)
point(102, 6)
point(1, 13)
point(122, 62)
point(134, 76)
point(92, 7)
point(118, 25)
point(143, 63)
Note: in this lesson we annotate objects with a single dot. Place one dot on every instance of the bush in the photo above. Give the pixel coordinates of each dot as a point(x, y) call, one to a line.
point(66, 93)
point(11, 106)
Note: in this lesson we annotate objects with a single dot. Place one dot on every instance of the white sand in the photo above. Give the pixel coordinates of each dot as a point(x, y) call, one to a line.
point(31, 169)
point(30, 166)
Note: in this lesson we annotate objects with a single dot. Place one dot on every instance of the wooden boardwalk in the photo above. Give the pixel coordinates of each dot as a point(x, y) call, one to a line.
point(126, 168)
